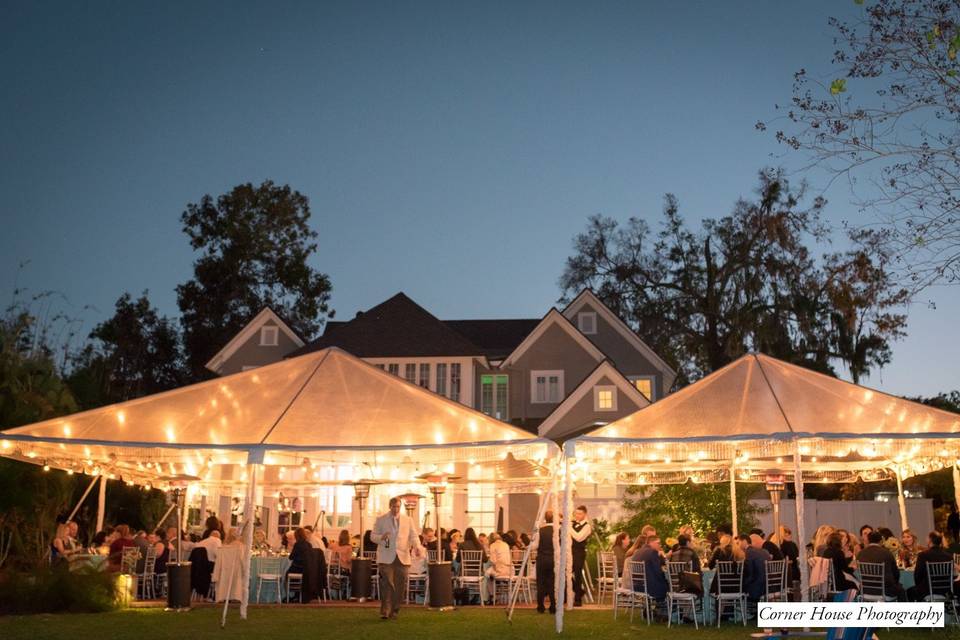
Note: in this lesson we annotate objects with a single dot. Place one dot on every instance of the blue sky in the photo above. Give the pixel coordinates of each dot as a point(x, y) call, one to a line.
point(449, 150)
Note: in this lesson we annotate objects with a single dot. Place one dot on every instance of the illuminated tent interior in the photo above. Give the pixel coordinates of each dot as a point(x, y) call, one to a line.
point(301, 417)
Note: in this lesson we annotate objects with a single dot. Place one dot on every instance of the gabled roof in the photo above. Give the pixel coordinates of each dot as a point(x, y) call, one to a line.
point(604, 369)
point(553, 317)
point(497, 338)
point(759, 397)
point(248, 332)
point(587, 296)
point(398, 328)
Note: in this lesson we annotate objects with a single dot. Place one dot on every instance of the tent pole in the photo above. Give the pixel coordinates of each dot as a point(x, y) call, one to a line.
point(901, 502)
point(801, 539)
point(254, 460)
point(569, 452)
point(956, 486)
point(733, 497)
point(82, 498)
point(101, 502)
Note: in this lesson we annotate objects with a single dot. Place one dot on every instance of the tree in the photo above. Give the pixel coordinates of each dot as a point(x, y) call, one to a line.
point(134, 353)
point(745, 282)
point(892, 114)
point(255, 244)
point(702, 506)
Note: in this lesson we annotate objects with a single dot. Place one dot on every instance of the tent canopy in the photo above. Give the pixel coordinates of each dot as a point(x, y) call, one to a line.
point(749, 413)
point(327, 403)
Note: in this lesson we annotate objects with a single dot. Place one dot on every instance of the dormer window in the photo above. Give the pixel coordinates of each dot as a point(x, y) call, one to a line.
point(605, 398)
point(269, 336)
point(587, 322)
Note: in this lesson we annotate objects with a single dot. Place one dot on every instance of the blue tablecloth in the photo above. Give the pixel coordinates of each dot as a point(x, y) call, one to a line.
point(268, 592)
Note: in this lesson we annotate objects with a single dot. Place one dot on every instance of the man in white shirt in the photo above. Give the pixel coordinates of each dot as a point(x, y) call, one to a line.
point(314, 538)
point(211, 543)
point(501, 562)
point(395, 534)
point(580, 530)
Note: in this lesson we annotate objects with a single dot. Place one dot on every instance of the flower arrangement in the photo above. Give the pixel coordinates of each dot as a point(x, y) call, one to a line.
point(671, 543)
point(892, 545)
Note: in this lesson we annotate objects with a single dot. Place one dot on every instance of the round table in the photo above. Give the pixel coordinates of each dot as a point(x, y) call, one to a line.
point(268, 592)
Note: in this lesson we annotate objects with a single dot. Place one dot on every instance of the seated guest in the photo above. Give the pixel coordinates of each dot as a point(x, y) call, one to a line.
point(211, 543)
point(344, 550)
point(865, 532)
point(842, 572)
point(683, 553)
point(211, 524)
point(934, 553)
point(770, 547)
point(260, 541)
point(651, 557)
point(909, 548)
point(99, 544)
point(820, 539)
point(368, 545)
point(485, 543)
point(314, 538)
point(755, 568)
point(877, 553)
point(516, 541)
point(790, 552)
point(471, 543)
point(162, 550)
point(142, 542)
point(620, 546)
point(300, 553)
point(501, 563)
point(123, 540)
point(429, 538)
point(524, 540)
point(724, 552)
point(60, 547)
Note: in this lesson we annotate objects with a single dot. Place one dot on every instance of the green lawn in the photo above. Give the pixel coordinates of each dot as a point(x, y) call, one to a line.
point(364, 624)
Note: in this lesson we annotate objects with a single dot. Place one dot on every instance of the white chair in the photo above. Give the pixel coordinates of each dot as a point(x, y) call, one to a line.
point(338, 582)
point(775, 585)
point(607, 578)
point(526, 579)
point(146, 578)
point(416, 585)
point(874, 583)
point(295, 583)
point(730, 590)
point(632, 593)
point(270, 570)
point(682, 600)
point(471, 572)
point(432, 555)
point(374, 574)
point(940, 585)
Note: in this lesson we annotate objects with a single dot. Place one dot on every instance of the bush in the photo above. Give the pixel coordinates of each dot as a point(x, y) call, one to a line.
point(54, 590)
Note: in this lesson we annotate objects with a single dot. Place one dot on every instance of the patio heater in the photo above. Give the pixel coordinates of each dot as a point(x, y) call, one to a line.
point(360, 567)
point(440, 573)
point(410, 502)
point(775, 483)
point(178, 571)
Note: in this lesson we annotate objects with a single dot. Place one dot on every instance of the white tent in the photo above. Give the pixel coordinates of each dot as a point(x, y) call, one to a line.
point(759, 415)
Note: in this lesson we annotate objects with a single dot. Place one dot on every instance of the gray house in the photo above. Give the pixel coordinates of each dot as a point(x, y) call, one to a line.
point(555, 376)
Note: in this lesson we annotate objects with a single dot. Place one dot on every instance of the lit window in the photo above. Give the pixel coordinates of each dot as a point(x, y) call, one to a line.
point(587, 322)
point(546, 387)
point(493, 396)
point(644, 385)
point(605, 398)
point(269, 336)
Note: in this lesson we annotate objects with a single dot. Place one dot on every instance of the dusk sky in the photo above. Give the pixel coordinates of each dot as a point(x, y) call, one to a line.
point(451, 151)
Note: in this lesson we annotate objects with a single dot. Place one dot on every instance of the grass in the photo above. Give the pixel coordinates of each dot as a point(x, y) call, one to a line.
point(342, 623)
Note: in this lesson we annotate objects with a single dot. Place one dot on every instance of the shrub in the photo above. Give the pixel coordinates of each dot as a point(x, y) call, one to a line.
point(57, 589)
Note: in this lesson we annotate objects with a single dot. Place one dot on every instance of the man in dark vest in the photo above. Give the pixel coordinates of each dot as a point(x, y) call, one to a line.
point(545, 575)
point(580, 532)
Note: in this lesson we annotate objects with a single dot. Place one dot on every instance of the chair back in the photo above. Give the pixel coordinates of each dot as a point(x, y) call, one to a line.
point(675, 571)
point(150, 561)
point(940, 578)
point(729, 577)
point(638, 576)
point(369, 555)
point(776, 577)
point(873, 579)
point(471, 563)
point(269, 566)
point(128, 561)
point(433, 555)
point(607, 565)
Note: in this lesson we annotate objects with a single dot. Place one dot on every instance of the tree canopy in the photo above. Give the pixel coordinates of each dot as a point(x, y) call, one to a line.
point(744, 282)
point(888, 121)
point(255, 245)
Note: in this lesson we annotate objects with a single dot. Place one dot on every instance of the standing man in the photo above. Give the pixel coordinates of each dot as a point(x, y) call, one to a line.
point(394, 534)
point(545, 573)
point(580, 532)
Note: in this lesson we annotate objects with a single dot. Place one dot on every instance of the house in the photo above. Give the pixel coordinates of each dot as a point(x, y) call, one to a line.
point(555, 376)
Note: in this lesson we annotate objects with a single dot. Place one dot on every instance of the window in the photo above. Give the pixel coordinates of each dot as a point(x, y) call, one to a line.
point(587, 322)
point(393, 368)
point(379, 366)
point(455, 381)
point(441, 386)
point(482, 500)
point(269, 336)
point(410, 373)
point(605, 398)
point(644, 385)
point(425, 375)
point(493, 396)
point(546, 387)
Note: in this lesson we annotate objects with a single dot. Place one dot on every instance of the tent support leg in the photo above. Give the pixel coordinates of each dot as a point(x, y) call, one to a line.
point(82, 498)
point(733, 498)
point(801, 538)
point(249, 521)
point(569, 452)
point(524, 566)
point(901, 502)
point(102, 502)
